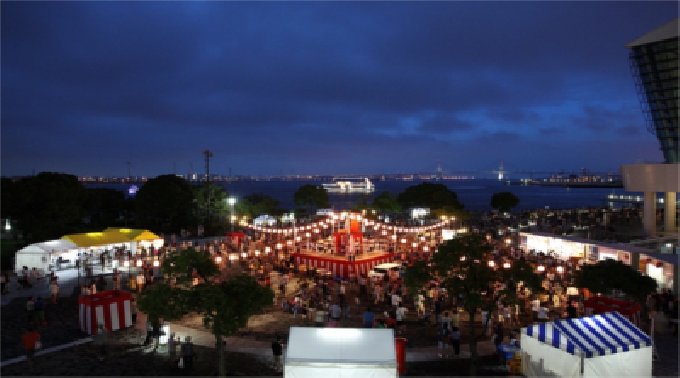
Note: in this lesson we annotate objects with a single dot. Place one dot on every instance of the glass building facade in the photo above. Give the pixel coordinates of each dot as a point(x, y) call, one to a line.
point(654, 65)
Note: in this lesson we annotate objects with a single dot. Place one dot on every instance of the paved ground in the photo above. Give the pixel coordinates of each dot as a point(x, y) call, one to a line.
point(251, 346)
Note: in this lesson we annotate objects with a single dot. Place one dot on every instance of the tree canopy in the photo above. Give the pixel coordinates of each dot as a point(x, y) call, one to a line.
point(609, 275)
point(218, 207)
point(256, 204)
point(224, 305)
point(462, 266)
point(504, 201)
point(437, 197)
point(311, 197)
point(386, 202)
point(166, 203)
point(45, 206)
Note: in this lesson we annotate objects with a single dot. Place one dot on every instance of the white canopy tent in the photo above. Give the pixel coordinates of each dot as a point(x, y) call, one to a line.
point(340, 352)
point(40, 255)
point(604, 345)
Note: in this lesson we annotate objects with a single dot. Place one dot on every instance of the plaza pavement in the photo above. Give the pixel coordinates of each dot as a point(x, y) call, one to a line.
point(666, 344)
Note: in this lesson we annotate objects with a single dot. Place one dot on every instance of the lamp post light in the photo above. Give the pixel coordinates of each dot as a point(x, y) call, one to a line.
point(231, 201)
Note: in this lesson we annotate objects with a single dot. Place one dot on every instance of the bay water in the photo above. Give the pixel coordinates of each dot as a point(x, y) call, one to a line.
point(475, 194)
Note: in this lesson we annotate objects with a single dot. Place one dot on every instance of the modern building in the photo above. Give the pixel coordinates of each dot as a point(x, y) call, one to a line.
point(654, 64)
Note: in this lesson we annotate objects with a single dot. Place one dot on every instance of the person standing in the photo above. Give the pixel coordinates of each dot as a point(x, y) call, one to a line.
point(319, 317)
point(30, 340)
point(369, 318)
point(277, 351)
point(401, 314)
point(498, 336)
point(141, 280)
point(4, 281)
point(39, 307)
point(455, 341)
point(172, 349)
point(100, 341)
point(116, 279)
point(335, 312)
point(341, 294)
point(54, 292)
point(30, 310)
point(443, 338)
point(188, 353)
point(133, 309)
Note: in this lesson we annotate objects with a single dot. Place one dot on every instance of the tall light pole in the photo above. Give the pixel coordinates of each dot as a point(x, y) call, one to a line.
point(231, 201)
point(207, 155)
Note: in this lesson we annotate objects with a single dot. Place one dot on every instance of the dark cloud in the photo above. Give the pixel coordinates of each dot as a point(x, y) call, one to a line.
point(317, 87)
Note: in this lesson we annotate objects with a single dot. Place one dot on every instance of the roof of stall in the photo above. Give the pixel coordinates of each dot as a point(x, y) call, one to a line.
point(57, 245)
point(134, 234)
point(94, 239)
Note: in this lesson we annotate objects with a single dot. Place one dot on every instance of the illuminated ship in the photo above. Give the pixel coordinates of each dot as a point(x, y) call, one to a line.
point(350, 185)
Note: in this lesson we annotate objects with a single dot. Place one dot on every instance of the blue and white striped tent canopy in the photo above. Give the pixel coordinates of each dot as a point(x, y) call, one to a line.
point(593, 336)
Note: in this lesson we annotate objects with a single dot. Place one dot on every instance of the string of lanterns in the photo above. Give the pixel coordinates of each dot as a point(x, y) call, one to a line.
point(377, 225)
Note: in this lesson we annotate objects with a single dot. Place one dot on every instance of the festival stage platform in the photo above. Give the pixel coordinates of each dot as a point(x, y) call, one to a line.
point(341, 267)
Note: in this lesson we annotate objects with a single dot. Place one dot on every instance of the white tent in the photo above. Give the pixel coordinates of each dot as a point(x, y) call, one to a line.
point(340, 352)
point(595, 346)
point(39, 255)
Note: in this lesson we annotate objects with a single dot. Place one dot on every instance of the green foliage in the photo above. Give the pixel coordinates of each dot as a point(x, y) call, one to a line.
point(504, 201)
point(432, 196)
point(311, 197)
point(363, 203)
point(609, 275)
point(163, 302)
point(104, 206)
point(165, 203)
point(417, 276)
point(254, 205)
point(218, 207)
point(45, 206)
point(225, 306)
point(462, 266)
point(386, 202)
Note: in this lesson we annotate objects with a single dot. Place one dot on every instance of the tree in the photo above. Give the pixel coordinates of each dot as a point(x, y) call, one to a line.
point(432, 196)
point(218, 207)
point(504, 201)
point(386, 202)
point(462, 266)
point(609, 275)
point(225, 306)
point(104, 206)
point(256, 204)
point(165, 203)
point(311, 197)
point(45, 206)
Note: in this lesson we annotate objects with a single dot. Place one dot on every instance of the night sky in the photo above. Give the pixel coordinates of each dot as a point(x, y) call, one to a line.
point(278, 88)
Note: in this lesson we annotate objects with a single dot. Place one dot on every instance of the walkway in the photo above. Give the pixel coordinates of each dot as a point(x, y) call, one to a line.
point(666, 344)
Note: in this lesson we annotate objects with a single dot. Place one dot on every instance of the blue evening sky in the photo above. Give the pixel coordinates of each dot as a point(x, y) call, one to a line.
point(322, 87)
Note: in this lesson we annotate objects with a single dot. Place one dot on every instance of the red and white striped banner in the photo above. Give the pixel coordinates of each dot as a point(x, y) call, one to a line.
point(341, 268)
point(111, 308)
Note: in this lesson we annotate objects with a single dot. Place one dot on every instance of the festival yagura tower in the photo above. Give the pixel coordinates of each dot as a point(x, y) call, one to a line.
point(654, 63)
